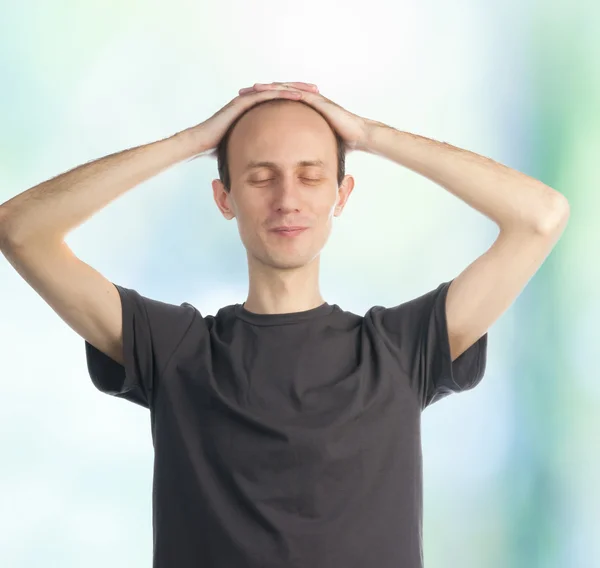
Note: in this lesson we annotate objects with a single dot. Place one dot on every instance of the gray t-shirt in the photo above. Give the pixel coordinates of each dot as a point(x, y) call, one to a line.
point(286, 440)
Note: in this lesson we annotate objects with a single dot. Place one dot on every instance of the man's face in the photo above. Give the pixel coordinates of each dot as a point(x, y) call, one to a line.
point(287, 192)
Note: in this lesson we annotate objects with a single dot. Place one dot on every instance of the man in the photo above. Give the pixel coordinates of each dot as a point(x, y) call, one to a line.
point(286, 430)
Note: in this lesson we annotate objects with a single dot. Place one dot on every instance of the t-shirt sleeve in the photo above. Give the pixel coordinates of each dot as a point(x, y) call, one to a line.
point(417, 333)
point(152, 331)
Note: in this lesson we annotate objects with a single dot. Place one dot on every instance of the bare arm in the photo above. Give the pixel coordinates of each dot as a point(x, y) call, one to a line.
point(50, 210)
point(34, 223)
point(83, 298)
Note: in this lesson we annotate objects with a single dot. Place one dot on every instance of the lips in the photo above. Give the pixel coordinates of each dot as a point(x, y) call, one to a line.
point(290, 228)
point(289, 231)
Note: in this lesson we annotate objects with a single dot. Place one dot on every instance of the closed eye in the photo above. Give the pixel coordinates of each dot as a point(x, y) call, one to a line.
point(271, 179)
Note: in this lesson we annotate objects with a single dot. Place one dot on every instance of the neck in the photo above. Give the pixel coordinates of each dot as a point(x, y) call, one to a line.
point(282, 291)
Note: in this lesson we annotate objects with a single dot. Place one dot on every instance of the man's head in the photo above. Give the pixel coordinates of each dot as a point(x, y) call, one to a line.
point(305, 183)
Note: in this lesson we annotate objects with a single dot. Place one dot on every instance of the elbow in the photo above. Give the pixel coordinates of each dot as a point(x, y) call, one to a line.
point(555, 220)
point(7, 229)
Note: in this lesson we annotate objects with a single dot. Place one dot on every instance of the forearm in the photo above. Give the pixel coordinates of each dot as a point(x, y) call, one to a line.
point(53, 208)
point(506, 196)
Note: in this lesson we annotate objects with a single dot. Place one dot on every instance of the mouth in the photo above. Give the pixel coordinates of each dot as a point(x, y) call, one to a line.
point(289, 231)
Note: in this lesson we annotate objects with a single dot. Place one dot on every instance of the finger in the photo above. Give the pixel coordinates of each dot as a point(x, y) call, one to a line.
point(295, 85)
point(259, 88)
point(305, 86)
point(272, 94)
point(294, 93)
point(252, 90)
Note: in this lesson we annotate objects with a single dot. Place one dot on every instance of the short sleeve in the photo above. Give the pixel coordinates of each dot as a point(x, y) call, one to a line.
point(152, 331)
point(417, 333)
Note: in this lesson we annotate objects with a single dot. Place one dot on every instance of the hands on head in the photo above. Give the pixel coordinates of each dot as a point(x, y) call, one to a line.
point(207, 135)
point(353, 129)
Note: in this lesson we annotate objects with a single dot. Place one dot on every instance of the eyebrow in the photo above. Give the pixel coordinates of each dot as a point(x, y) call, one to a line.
point(302, 163)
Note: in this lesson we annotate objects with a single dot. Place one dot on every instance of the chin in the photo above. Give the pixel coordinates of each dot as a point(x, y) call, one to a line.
point(283, 261)
point(288, 263)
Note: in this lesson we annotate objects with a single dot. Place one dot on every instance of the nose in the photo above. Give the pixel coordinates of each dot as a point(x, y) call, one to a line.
point(287, 196)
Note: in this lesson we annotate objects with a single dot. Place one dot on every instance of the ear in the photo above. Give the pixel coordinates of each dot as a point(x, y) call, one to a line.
point(222, 199)
point(344, 192)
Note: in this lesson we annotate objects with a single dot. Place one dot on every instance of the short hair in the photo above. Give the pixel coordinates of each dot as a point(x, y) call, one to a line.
point(223, 158)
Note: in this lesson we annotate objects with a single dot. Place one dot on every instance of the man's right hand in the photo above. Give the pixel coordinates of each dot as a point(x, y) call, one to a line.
point(205, 137)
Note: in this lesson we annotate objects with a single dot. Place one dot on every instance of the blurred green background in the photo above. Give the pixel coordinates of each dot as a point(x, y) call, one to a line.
point(512, 467)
